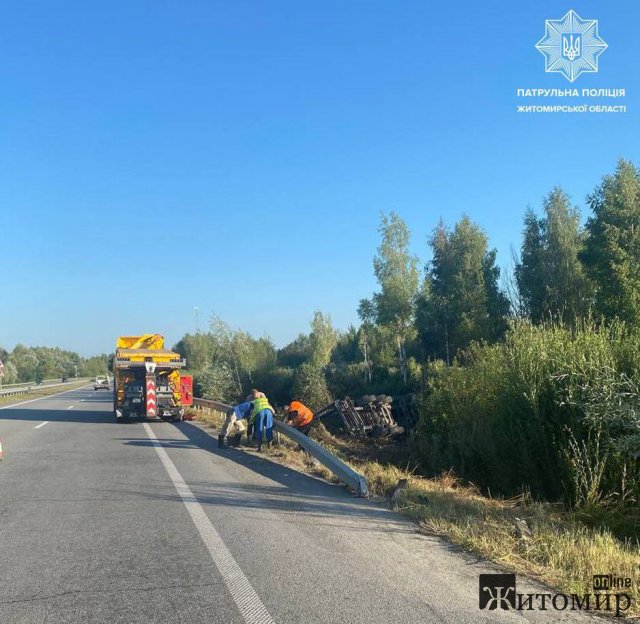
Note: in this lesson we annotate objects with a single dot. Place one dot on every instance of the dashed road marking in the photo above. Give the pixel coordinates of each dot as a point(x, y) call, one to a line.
point(42, 424)
point(70, 407)
point(247, 600)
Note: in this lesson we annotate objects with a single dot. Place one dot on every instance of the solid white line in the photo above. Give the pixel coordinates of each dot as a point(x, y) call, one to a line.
point(46, 422)
point(247, 600)
point(48, 396)
point(70, 407)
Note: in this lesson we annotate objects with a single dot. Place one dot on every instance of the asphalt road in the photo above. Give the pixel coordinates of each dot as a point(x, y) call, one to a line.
point(125, 523)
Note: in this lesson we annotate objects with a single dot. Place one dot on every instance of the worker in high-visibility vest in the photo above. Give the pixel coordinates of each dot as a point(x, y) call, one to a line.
point(299, 416)
point(261, 416)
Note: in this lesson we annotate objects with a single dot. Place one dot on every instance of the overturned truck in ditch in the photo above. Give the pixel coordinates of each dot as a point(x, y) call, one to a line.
point(370, 416)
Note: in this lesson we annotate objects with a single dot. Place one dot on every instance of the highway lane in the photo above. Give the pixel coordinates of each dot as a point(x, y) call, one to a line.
point(103, 522)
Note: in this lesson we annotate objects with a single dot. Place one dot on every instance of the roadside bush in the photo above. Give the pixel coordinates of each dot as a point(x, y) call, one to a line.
point(216, 382)
point(553, 410)
point(276, 383)
point(310, 386)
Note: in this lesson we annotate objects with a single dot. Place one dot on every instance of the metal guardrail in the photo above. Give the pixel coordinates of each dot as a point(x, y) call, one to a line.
point(344, 473)
point(214, 405)
point(32, 386)
point(25, 384)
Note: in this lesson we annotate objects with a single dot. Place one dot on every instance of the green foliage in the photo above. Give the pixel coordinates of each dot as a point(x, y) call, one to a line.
point(310, 386)
point(529, 272)
point(550, 277)
point(397, 273)
point(10, 372)
point(245, 357)
point(460, 300)
point(296, 352)
point(612, 249)
point(38, 363)
point(278, 383)
point(550, 408)
point(94, 366)
point(198, 349)
point(322, 340)
point(216, 382)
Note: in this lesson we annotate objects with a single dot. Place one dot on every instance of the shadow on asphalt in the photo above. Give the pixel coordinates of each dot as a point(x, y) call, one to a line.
point(32, 412)
point(324, 509)
point(61, 415)
point(296, 493)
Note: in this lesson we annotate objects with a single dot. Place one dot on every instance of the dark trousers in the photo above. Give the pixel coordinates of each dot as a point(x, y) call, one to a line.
point(305, 429)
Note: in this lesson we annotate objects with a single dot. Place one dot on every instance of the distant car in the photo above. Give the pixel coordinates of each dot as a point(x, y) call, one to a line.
point(101, 383)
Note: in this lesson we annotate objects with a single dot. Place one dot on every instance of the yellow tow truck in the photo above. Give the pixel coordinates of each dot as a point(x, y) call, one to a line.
point(146, 380)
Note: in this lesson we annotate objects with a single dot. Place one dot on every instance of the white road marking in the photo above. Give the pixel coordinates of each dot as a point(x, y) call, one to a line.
point(70, 407)
point(46, 422)
point(247, 600)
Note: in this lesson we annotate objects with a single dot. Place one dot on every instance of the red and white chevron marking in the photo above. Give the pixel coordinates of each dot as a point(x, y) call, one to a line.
point(152, 404)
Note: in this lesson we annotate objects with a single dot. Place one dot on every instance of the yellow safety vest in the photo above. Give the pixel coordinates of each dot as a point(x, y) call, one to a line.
point(257, 406)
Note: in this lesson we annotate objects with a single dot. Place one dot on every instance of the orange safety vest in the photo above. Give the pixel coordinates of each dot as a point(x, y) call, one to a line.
point(305, 415)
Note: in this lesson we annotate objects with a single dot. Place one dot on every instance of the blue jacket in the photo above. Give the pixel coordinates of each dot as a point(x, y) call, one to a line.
point(242, 410)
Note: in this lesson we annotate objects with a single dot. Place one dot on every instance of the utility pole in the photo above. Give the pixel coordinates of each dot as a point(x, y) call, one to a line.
point(195, 313)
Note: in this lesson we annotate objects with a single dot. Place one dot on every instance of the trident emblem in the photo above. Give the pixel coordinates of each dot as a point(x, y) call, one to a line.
point(571, 46)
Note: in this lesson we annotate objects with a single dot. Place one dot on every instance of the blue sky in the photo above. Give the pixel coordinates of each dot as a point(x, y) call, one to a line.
point(158, 155)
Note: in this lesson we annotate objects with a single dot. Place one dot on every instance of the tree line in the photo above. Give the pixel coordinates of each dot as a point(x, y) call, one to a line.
point(564, 272)
point(24, 364)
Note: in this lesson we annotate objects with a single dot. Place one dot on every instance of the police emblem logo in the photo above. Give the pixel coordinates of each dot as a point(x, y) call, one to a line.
point(571, 46)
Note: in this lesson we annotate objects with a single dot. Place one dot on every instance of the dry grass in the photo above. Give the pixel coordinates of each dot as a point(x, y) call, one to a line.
point(210, 417)
point(563, 552)
point(42, 392)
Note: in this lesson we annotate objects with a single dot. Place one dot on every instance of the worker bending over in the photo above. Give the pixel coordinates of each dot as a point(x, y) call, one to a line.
point(299, 416)
point(236, 419)
point(261, 416)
